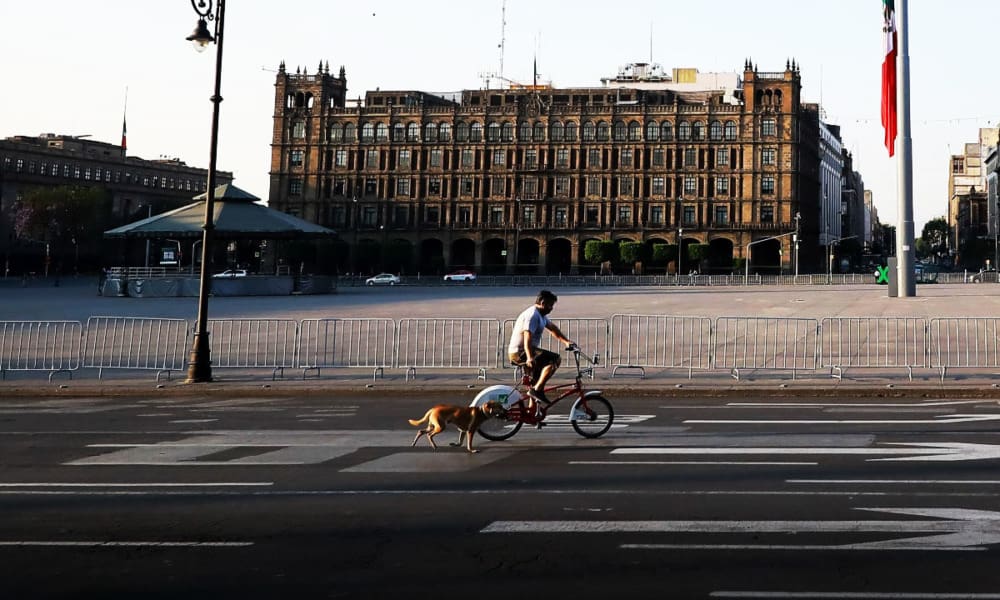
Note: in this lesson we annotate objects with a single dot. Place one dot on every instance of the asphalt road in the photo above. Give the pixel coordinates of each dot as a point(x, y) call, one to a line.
point(324, 498)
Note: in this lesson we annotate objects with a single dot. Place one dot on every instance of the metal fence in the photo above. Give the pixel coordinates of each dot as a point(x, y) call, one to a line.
point(135, 343)
point(346, 343)
point(639, 342)
point(964, 343)
point(448, 344)
point(52, 346)
point(873, 342)
point(765, 343)
point(590, 334)
point(254, 343)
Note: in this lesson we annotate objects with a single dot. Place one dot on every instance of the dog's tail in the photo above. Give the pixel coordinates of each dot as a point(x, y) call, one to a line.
point(423, 420)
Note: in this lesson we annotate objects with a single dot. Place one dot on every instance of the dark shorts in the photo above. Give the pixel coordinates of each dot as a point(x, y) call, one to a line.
point(542, 359)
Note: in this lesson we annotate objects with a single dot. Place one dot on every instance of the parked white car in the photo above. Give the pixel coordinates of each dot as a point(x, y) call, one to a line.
point(383, 279)
point(460, 276)
point(230, 273)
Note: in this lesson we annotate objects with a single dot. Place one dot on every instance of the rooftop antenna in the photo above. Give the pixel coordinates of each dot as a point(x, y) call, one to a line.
point(503, 34)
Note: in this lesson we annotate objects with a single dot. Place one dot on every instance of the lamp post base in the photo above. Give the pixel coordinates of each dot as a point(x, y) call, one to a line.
point(200, 360)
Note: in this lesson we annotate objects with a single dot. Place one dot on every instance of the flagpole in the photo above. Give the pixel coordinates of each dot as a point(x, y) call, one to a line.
point(904, 230)
point(124, 112)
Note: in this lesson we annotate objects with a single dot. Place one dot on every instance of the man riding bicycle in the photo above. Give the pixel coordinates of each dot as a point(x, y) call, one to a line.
point(524, 347)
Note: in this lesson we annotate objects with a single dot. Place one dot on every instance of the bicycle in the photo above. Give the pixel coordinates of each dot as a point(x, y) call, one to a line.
point(591, 414)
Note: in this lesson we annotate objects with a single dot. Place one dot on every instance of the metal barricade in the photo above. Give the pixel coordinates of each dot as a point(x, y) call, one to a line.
point(135, 343)
point(254, 343)
point(52, 346)
point(872, 342)
point(591, 335)
point(659, 341)
point(964, 342)
point(447, 344)
point(770, 343)
point(350, 343)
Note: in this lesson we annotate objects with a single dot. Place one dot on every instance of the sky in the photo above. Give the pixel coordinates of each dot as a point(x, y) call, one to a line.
point(68, 64)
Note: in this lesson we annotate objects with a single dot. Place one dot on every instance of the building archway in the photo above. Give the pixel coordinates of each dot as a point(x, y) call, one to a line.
point(720, 256)
point(527, 256)
point(494, 256)
point(463, 254)
point(559, 256)
point(431, 256)
point(765, 258)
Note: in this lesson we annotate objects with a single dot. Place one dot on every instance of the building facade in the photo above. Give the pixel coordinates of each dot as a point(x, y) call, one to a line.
point(519, 179)
point(137, 187)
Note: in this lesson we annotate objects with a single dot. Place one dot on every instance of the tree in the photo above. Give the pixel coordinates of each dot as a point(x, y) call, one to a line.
point(66, 218)
point(935, 237)
point(632, 252)
point(663, 253)
point(598, 251)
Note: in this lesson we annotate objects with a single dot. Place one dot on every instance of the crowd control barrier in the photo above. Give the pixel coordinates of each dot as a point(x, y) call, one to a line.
point(448, 344)
point(135, 343)
point(346, 343)
point(639, 342)
point(765, 343)
point(591, 335)
point(52, 346)
point(873, 342)
point(966, 342)
point(254, 343)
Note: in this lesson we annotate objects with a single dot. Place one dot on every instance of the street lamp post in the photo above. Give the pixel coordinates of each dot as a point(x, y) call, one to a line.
point(200, 359)
point(680, 237)
point(149, 215)
point(795, 239)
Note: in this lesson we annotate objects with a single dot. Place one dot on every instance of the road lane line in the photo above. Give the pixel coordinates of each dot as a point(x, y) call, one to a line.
point(823, 547)
point(121, 544)
point(901, 481)
point(686, 462)
point(138, 485)
point(857, 595)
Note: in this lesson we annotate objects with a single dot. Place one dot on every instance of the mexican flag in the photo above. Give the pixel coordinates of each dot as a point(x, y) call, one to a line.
point(889, 75)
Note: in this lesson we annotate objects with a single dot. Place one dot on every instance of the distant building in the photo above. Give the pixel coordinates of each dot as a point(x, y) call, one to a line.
point(519, 179)
point(968, 206)
point(137, 186)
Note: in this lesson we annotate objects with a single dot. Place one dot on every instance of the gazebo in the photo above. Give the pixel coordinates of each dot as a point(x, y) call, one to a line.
point(237, 216)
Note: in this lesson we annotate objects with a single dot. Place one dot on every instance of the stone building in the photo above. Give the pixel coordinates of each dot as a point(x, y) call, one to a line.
point(137, 187)
point(518, 179)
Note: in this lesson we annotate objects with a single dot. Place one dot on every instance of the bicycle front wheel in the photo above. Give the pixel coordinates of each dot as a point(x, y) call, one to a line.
point(500, 429)
point(592, 416)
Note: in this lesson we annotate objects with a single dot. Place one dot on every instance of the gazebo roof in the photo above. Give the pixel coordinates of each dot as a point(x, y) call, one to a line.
point(237, 216)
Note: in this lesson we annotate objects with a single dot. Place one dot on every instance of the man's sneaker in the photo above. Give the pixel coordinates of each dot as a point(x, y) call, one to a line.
point(539, 395)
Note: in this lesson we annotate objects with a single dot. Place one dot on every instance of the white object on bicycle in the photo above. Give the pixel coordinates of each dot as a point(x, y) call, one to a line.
point(505, 394)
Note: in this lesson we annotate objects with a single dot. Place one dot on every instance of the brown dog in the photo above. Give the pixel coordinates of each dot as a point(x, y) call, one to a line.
point(466, 418)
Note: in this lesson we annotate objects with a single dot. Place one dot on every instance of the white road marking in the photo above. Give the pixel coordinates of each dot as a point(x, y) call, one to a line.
point(687, 462)
point(856, 595)
point(156, 415)
point(118, 544)
point(954, 529)
point(907, 494)
point(938, 421)
point(947, 451)
point(901, 481)
point(859, 404)
point(194, 421)
point(138, 485)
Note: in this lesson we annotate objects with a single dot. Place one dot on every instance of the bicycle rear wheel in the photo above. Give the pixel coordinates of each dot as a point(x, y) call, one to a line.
point(499, 429)
point(592, 416)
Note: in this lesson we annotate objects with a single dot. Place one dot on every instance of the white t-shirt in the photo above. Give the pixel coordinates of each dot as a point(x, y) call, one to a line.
point(529, 320)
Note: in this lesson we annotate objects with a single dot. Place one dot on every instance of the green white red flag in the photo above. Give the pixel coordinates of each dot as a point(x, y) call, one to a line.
point(889, 75)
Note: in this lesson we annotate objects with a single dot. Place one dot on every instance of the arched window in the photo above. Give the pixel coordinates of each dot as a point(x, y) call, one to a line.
point(476, 132)
point(539, 132)
point(698, 131)
point(381, 132)
point(619, 131)
point(634, 131)
point(444, 134)
point(413, 132)
point(730, 130)
point(430, 132)
point(368, 132)
point(350, 132)
point(715, 131)
point(667, 131)
point(462, 132)
point(652, 131)
point(524, 132)
point(684, 131)
point(398, 132)
point(603, 131)
point(493, 132)
point(335, 133)
point(589, 131)
point(309, 100)
point(556, 135)
point(507, 132)
point(571, 128)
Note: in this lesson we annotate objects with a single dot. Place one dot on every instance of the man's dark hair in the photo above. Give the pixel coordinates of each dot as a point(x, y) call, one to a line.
point(545, 296)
